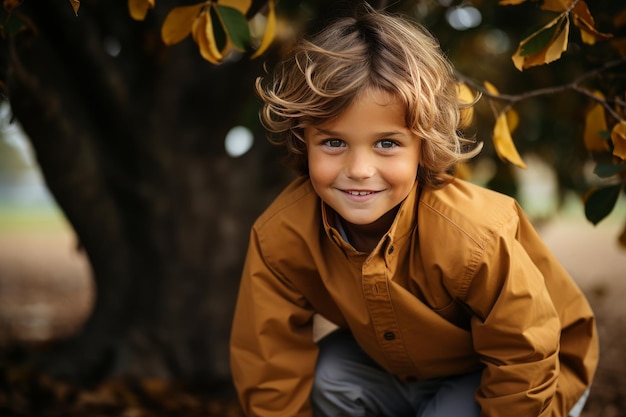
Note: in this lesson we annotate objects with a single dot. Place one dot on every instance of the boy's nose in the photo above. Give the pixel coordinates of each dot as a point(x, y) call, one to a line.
point(359, 166)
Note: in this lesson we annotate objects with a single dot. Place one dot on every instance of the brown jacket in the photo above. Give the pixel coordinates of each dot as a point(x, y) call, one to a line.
point(460, 282)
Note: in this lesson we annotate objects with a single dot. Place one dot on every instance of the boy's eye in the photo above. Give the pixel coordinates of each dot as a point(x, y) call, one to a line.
point(386, 144)
point(334, 143)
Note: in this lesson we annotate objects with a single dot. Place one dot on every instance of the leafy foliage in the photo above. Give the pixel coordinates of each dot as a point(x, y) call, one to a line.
point(604, 134)
point(545, 45)
point(230, 15)
point(199, 20)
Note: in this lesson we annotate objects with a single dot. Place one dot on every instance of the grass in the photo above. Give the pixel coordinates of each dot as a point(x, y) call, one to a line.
point(26, 218)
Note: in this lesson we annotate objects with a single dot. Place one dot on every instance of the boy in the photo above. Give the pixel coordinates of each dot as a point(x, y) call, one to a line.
point(376, 284)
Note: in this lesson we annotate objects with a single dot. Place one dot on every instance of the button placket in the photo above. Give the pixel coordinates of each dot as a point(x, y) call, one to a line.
point(378, 300)
point(389, 335)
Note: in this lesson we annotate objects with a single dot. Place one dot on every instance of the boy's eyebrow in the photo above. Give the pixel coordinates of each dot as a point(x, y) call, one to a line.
point(321, 131)
point(326, 132)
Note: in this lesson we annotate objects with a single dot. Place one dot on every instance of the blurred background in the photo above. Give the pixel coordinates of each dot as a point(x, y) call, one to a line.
point(131, 172)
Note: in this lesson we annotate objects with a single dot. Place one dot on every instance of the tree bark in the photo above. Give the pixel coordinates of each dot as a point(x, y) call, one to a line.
point(129, 135)
point(131, 147)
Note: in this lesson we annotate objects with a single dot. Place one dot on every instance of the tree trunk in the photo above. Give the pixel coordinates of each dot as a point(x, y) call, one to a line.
point(131, 147)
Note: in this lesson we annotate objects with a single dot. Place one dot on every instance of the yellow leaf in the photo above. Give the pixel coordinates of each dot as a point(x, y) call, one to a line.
point(202, 32)
point(585, 22)
point(491, 88)
point(512, 119)
point(595, 123)
point(178, 23)
point(270, 30)
point(139, 8)
point(510, 2)
point(558, 45)
point(75, 5)
point(503, 143)
point(556, 5)
point(618, 136)
point(467, 99)
point(464, 93)
point(228, 47)
point(551, 51)
point(518, 59)
point(242, 5)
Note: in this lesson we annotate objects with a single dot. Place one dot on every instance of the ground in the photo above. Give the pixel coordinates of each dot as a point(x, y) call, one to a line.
point(46, 292)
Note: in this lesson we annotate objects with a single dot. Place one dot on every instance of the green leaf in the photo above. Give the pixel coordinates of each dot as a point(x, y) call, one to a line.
point(600, 202)
point(543, 38)
point(605, 170)
point(236, 26)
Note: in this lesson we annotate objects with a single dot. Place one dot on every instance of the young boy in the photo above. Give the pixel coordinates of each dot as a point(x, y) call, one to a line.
point(376, 284)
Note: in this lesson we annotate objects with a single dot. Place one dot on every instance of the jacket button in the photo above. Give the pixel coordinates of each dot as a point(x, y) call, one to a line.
point(390, 250)
point(389, 336)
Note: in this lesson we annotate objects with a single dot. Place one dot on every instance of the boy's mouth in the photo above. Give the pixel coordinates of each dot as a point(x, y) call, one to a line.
point(358, 193)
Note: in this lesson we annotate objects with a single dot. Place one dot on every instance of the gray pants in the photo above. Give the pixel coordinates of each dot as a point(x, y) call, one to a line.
point(349, 383)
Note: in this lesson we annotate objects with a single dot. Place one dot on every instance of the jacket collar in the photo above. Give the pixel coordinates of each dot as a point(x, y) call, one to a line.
point(397, 234)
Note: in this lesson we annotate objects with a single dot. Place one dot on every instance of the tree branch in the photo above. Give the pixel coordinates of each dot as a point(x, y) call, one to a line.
point(576, 85)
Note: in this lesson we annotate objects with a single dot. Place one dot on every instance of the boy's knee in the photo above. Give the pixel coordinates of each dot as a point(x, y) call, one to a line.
point(333, 395)
point(340, 381)
point(332, 379)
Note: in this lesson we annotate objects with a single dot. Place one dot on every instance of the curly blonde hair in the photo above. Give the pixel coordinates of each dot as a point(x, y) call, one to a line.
point(322, 75)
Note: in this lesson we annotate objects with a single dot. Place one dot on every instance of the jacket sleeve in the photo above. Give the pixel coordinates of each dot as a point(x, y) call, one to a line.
point(272, 353)
point(516, 327)
point(578, 343)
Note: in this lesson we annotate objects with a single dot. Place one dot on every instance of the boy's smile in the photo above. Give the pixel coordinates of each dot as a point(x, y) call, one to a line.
point(364, 162)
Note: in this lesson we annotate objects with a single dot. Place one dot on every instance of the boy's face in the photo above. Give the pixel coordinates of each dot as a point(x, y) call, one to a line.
point(364, 162)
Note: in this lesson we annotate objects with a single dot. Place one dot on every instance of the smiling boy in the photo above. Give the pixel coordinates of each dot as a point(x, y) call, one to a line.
point(376, 284)
point(363, 165)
